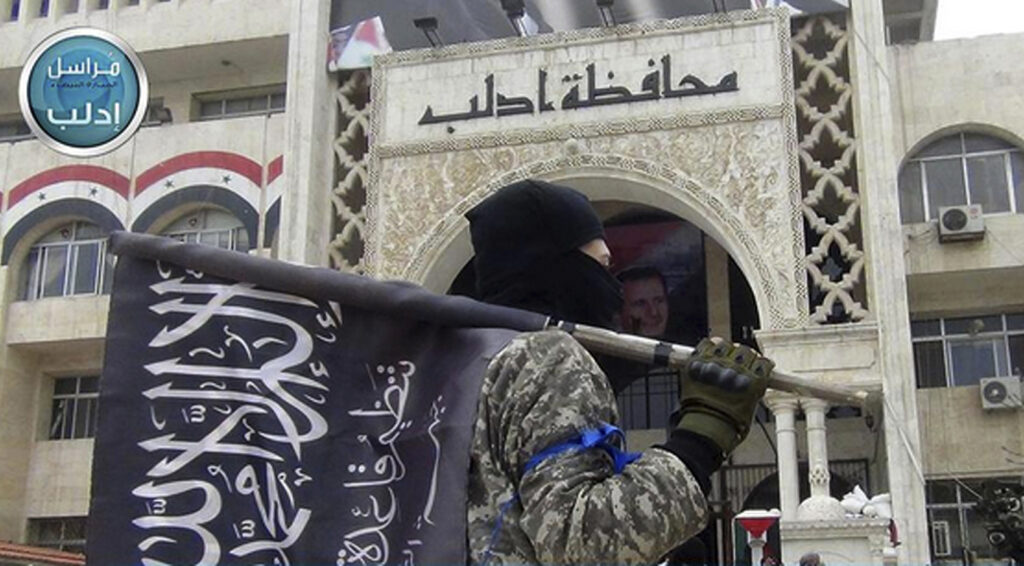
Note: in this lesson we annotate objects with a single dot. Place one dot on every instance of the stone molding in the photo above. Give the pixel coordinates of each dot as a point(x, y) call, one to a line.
point(843, 528)
point(778, 402)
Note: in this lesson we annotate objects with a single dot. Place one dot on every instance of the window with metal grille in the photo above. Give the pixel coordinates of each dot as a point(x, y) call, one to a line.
point(71, 260)
point(958, 534)
point(60, 533)
point(212, 227)
point(213, 106)
point(962, 169)
point(950, 352)
point(649, 401)
point(75, 408)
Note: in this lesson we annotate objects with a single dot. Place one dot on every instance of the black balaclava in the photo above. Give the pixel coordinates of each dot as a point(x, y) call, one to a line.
point(526, 238)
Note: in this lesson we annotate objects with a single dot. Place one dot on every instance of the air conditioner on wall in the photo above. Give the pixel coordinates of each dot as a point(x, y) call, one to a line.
point(964, 222)
point(1000, 393)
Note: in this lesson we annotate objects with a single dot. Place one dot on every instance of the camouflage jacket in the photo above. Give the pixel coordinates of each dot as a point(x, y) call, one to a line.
point(540, 390)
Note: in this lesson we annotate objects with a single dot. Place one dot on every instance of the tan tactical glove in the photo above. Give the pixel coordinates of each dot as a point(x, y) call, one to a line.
point(720, 388)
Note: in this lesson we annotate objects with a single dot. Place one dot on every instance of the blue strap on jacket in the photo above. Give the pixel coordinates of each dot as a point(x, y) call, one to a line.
point(602, 437)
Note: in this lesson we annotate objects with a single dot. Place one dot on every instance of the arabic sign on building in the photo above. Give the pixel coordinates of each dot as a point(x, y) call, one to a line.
point(577, 78)
point(83, 92)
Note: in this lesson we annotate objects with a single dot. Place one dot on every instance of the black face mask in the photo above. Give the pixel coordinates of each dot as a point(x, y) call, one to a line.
point(582, 290)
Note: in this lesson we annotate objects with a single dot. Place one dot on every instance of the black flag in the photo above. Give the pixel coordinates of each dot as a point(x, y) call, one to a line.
point(255, 412)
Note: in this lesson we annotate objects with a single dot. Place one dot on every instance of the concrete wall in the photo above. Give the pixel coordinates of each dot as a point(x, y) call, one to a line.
point(944, 87)
point(946, 84)
point(959, 438)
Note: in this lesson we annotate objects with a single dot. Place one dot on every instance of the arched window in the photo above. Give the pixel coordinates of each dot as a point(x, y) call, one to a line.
point(71, 260)
point(212, 227)
point(964, 168)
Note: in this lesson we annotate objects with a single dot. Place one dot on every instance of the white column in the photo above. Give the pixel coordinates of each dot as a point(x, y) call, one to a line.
point(877, 162)
point(783, 407)
point(309, 137)
point(817, 446)
point(820, 506)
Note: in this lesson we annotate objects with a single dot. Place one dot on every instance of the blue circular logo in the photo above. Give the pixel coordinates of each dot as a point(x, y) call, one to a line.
point(83, 92)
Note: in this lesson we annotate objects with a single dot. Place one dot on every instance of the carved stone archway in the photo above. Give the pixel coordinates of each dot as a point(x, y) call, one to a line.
point(446, 248)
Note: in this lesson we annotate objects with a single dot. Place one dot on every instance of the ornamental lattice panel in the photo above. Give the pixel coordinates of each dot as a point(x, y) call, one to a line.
point(351, 148)
point(828, 170)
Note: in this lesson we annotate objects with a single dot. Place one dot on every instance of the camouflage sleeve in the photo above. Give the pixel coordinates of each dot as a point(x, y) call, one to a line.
point(575, 509)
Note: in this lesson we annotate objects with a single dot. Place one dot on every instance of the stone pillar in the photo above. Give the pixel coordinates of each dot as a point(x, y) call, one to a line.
point(877, 163)
point(783, 407)
point(310, 114)
point(820, 505)
point(817, 446)
point(716, 264)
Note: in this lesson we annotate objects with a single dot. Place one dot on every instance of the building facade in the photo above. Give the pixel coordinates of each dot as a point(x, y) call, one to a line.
point(798, 205)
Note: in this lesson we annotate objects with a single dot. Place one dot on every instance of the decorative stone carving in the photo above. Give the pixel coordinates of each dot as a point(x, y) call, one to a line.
point(728, 170)
point(348, 197)
point(819, 476)
point(835, 258)
point(820, 508)
point(736, 168)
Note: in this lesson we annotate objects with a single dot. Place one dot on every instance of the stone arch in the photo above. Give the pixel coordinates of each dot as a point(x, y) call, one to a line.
point(446, 249)
point(170, 207)
point(41, 220)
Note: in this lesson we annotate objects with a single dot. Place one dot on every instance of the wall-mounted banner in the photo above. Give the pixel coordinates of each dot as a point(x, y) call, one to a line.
point(83, 92)
point(287, 415)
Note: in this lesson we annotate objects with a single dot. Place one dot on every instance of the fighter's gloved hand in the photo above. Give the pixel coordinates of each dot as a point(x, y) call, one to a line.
point(720, 388)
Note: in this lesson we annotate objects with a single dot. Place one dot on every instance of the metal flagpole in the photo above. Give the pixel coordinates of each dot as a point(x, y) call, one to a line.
point(667, 354)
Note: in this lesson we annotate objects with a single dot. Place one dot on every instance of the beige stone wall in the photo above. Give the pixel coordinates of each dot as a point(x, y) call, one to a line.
point(959, 438)
point(58, 479)
point(19, 392)
point(960, 82)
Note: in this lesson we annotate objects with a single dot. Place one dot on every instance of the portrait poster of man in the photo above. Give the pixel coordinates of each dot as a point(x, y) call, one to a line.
point(660, 262)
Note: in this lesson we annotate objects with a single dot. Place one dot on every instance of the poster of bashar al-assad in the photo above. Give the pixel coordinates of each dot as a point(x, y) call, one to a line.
point(661, 266)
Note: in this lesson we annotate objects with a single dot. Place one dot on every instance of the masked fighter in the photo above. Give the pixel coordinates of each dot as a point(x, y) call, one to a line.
point(548, 482)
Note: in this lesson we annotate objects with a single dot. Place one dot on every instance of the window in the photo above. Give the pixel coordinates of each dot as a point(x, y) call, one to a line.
point(958, 535)
point(940, 538)
point(71, 260)
point(212, 227)
point(962, 169)
point(951, 352)
point(75, 403)
point(63, 533)
point(213, 106)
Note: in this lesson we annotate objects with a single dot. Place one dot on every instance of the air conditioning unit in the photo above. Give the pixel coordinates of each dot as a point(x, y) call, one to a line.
point(964, 222)
point(1000, 393)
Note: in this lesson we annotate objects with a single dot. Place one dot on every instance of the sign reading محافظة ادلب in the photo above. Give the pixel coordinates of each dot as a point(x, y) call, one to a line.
point(83, 92)
point(582, 77)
